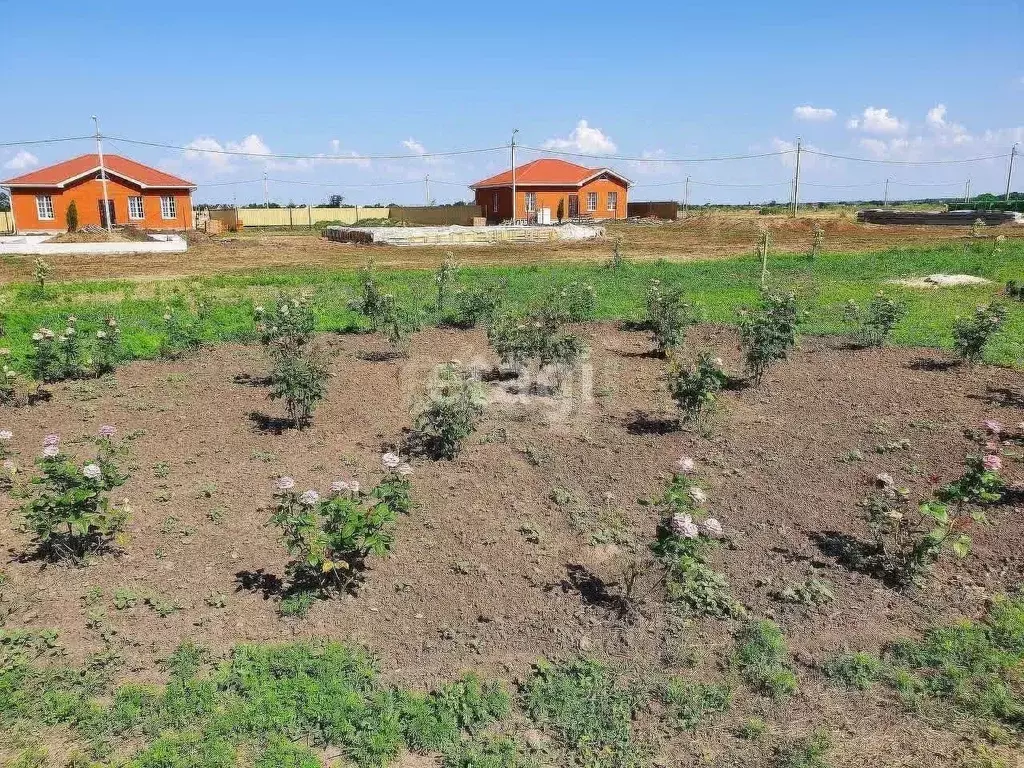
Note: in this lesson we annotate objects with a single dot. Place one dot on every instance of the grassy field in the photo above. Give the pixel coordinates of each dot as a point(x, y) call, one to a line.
point(721, 287)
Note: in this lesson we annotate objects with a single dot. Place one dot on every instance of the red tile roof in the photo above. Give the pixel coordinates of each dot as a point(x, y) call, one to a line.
point(60, 174)
point(547, 172)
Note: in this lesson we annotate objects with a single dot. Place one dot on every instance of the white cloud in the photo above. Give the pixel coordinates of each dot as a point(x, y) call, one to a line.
point(414, 146)
point(583, 139)
point(653, 164)
point(813, 114)
point(22, 160)
point(231, 156)
point(877, 120)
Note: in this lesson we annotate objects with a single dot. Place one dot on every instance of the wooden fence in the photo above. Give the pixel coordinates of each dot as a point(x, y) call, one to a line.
point(437, 215)
point(668, 209)
point(293, 217)
point(6, 222)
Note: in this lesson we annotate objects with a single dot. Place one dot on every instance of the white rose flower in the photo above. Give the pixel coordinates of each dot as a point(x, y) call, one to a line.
point(686, 464)
point(390, 460)
point(698, 496)
point(309, 498)
point(683, 525)
point(91, 471)
point(6, 434)
point(285, 483)
point(713, 528)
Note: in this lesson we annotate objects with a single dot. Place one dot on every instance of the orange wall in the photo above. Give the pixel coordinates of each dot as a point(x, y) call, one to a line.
point(548, 197)
point(87, 193)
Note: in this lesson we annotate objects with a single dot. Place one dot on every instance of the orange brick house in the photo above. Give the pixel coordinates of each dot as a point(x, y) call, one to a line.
point(136, 194)
point(595, 193)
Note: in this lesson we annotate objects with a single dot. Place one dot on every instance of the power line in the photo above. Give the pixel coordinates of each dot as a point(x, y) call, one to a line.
point(904, 162)
point(283, 156)
point(721, 158)
point(44, 141)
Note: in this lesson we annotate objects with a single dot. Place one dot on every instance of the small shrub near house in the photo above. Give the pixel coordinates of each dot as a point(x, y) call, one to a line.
point(445, 278)
point(370, 301)
point(576, 300)
point(669, 314)
point(330, 537)
point(453, 405)
point(536, 340)
point(300, 380)
point(685, 539)
point(476, 304)
point(768, 332)
point(299, 372)
point(972, 334)
point(287, 327)
point(909, 538)
point(68, 510)
point(695, 388)
point(182, 332)
point(874, 324)
point(41, 271)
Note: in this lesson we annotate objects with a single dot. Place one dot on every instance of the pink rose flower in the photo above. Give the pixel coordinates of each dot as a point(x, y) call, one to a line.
point(285, 483)
point(992, 463)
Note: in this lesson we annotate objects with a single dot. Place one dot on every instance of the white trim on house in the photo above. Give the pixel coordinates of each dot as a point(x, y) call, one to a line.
point(520, 183)
point(63, 184)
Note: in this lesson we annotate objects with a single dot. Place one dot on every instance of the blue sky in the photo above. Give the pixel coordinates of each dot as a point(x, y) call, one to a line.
point(913, 80)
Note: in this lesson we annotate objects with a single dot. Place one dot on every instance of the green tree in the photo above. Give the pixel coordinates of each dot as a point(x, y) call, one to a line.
point(71, 217)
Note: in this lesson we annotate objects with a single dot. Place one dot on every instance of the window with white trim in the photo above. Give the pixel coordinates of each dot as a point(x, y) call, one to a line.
point(591, 202)
point(531, 202)
point(44, 207)
point(613, 201)
point(168, 207)
point(136, 209)
point(495, 210)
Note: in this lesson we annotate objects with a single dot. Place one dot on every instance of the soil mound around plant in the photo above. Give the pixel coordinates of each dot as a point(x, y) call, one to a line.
point(100, 235)
point(943, 281)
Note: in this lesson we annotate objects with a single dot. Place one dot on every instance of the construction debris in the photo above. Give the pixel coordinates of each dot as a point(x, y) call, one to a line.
point(457, 235)
point(941, 218)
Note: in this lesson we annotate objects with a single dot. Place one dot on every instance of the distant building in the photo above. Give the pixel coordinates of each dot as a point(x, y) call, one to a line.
point(554, 186)
point(136, 194)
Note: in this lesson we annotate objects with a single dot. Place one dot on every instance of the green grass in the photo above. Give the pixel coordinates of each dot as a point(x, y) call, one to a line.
point(589, 713)
point(720, 287)
point(763, 659)
point(970, 669)
point(266, 701)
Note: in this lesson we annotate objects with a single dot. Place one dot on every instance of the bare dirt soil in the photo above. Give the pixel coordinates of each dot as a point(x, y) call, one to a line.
point(488, 573)
point(699, 237)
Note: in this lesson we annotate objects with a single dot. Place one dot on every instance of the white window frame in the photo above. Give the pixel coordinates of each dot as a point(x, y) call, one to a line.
point(591, 202)
point(168, 207)
point(131, 208)
point(531, 202)
point(613, 201)
point(44, 208)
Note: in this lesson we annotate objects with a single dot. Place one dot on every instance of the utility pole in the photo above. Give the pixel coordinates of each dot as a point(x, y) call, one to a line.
point(426, 189)
point(514, 175)
point(266, 195)
point(1009, 172)
point(103, 174)
point(885, 200)
point(686, 195)
point(967, 191)
point(796, 180)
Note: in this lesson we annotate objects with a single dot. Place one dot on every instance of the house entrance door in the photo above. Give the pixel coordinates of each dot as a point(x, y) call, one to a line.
point(110, 212)
point(574, 206)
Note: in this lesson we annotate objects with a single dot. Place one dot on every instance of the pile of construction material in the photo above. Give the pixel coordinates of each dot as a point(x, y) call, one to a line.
point(456, 235)
point(938, 218)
